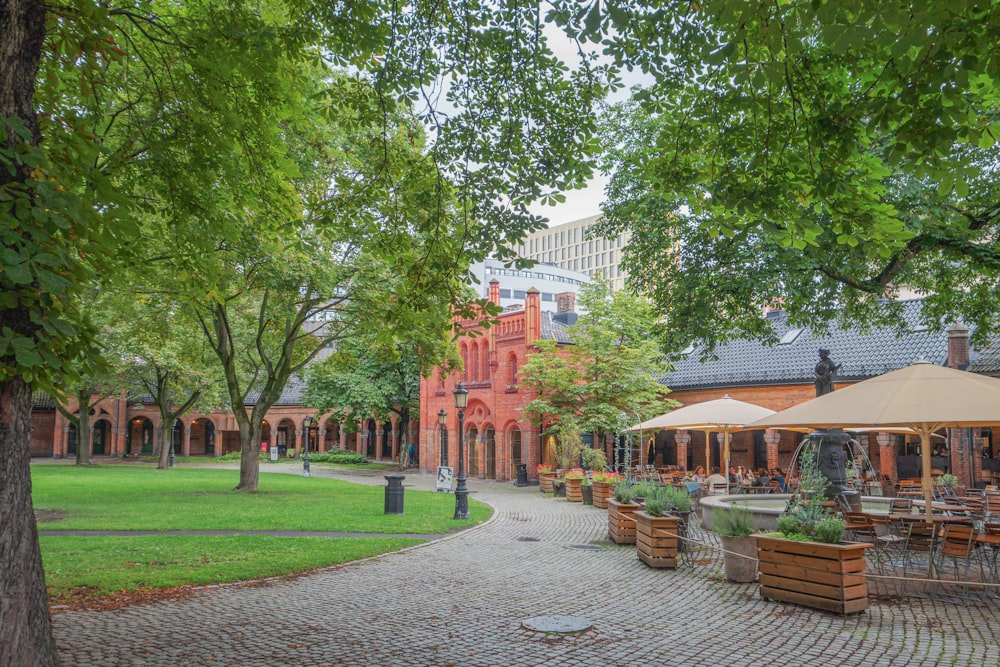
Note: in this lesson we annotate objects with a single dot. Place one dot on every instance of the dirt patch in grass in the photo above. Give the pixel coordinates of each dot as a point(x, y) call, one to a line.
point(49, 516)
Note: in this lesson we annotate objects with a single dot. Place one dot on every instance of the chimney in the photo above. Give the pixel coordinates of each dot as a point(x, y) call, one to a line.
point(532, 316)
point(566, 302)
point(494, 293)
point(958, 346)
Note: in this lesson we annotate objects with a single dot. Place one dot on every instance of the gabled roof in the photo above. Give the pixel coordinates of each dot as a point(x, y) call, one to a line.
point(986, 359)
point(861, 356)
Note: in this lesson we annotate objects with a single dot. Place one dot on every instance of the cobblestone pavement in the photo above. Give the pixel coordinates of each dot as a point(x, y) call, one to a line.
point(461, 600)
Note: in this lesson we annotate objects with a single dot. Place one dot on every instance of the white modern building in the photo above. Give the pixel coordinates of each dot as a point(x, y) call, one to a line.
point(571, 246)
point(549, 280)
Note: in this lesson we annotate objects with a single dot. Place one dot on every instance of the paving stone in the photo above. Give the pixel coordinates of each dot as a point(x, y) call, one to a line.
point(460, 601)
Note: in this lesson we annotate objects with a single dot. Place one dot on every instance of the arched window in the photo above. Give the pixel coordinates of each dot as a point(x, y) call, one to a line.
point(485, 367)
point(474, 354)
point(512, 369)
point(465, 363)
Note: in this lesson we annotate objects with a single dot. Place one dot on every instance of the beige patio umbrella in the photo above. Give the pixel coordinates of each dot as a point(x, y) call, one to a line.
point(725, 415)
point(923, 397)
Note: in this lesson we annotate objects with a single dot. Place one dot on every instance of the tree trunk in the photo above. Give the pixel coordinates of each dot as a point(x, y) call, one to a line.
point(166, 440)
point(250, 432)
point(25, 626)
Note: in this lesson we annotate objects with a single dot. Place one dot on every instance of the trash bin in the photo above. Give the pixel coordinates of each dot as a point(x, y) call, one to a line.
point(394, 494)
point(522, 474)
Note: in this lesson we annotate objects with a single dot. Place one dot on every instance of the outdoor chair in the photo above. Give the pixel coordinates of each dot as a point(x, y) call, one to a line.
point(900, 505)
point(888, 539)
point(991, 550)
point(991, 506)
point(957, 546)
point(918, 551)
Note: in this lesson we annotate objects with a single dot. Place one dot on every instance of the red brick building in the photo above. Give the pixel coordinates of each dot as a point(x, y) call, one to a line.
point(124, 426)
point(497, 433)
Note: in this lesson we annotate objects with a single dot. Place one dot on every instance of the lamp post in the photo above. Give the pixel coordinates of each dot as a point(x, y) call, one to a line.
point(461, 490)
point(442, 420)
point(307, 423)
point(364, 443)
point(170, 455)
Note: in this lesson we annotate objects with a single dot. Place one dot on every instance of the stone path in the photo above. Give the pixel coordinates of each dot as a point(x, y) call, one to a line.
point(460, 601)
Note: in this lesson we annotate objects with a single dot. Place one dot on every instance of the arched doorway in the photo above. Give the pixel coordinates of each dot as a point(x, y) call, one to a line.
point(99, 441)
point(177, 437)
point(491, 453)
point(514, 438)
point(202, 437)
point(370, 445)
point(332, 438)
point(71, 440)
point(472, 441)
point(284, 438)
point(387, 440)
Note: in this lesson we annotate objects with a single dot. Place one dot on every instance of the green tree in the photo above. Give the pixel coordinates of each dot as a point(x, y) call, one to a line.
point(116, 113)
point(612, 365)
point(819, 155)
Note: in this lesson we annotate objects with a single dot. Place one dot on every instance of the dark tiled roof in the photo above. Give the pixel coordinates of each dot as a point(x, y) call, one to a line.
point(986, 359)
point(861, 356)
point(553, 329)
point(290, 395)
point(42, 401)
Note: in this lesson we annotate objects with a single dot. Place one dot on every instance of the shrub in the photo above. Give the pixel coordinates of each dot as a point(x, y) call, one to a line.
point(339, 457)
point(625, 492)
point(594, 459)
point(828, 530)
point(656, 505)
point(734, 521)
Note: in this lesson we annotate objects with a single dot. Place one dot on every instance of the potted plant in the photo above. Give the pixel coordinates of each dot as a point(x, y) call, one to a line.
point(735, 526)
point(657, 531)
point(948, 484)
point(574, 481)
point(807, 563)
point(621, 514)
point(587, 490)
point(604, 483)
point(545, 476)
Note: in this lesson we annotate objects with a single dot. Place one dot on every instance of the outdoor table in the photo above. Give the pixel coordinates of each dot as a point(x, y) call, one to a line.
point(935, 518)
point(758, 489)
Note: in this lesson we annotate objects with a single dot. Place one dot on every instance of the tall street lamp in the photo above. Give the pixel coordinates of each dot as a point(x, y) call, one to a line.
point(442, 420)
point(461, 491)
point(307, 422)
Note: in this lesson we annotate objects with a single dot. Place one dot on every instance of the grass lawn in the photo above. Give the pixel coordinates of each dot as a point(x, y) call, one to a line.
point(118, 497)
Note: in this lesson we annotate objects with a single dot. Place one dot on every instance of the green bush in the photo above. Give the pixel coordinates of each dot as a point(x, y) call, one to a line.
point(829, 530)
point(624, 492)
point(656, 505)
point(340, 457)
point(787, 525)
point(734, 521)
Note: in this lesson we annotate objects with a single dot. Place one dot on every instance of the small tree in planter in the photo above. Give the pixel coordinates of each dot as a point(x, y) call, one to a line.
point(621, 514)
point(657, 532)
point(735, 526)
point(809, 564)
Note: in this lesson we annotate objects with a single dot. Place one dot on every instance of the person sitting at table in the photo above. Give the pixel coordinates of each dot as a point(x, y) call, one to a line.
point(762, 479)
point(717, 485)
point(734, 477)
point(699, 474)
point(778, 476)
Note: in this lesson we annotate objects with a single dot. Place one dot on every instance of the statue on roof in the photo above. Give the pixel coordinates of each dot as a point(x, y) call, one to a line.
point(826, 371)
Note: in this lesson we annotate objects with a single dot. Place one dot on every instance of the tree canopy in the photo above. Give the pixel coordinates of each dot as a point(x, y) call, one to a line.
point(819, 156)
point(612, 366)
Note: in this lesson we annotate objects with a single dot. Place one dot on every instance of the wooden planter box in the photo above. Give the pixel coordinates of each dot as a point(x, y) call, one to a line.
point(621, 521)
point(574, 492)
point(813, 574)
point(545, 481)
point(602, 491)
point(656, 540)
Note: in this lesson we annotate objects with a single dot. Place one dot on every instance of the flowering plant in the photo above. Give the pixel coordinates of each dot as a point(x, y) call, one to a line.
point(575, 474)
point(544, 467)
point(603, 476)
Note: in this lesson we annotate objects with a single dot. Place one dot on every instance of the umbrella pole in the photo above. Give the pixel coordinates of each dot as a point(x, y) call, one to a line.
point(725, 447)
point(708, 454)
point(925, 458)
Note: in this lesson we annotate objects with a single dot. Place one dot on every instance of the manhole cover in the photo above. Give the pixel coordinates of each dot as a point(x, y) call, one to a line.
point(558, 624)
point(527, 539)
point(585, 547)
